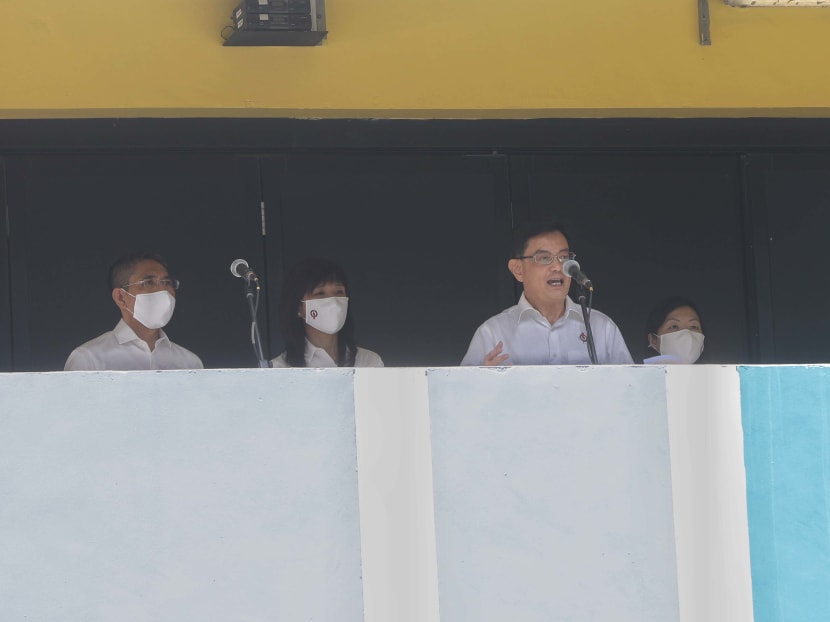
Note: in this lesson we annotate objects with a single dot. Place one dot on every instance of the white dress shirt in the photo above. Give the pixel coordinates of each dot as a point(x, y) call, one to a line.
point(529, 339)
point(318, 357)
point(122, 350)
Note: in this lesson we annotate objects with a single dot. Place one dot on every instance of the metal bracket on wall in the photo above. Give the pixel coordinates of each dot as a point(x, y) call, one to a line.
point(703, 22)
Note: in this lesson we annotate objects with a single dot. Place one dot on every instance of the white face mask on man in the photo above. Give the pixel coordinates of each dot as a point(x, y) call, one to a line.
point(328, 315)
point(154, 310)
point(685, 344)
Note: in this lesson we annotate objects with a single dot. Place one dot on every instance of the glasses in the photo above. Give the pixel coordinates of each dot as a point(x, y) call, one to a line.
point(156, 283)
point(545, 258)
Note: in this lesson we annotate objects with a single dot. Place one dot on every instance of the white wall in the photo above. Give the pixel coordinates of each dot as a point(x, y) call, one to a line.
point(231, 494)
point(171, 496)
point(709, 484)
point(553, 498)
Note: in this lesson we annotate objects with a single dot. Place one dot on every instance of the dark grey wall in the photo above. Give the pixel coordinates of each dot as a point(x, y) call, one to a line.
point(731, 213)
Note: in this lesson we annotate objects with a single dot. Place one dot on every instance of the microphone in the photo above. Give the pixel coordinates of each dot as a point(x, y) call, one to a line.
point(240, 268)
point(572, 269)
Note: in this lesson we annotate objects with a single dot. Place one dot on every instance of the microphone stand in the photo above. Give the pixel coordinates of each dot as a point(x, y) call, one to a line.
point(252, 294)
point(586, 316)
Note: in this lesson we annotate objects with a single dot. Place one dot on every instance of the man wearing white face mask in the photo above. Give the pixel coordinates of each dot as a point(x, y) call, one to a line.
point(145, 293)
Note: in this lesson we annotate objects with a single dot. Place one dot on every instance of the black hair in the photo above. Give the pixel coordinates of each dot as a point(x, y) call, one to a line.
point(123, 267)
point(660, 312)
point(523, 233)
point(301, 279)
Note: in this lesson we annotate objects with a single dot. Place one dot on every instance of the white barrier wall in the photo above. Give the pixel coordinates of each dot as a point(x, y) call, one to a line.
point(553, 498)
point(396, 486)
point(232, 494)
point(171, 496)
point(709, 492)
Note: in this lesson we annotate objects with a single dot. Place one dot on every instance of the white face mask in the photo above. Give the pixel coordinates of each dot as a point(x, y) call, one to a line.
point(154, 310)
point(685, 344)
point(327, 314)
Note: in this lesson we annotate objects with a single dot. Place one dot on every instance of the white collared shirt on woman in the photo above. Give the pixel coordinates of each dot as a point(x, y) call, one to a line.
point(318, 357)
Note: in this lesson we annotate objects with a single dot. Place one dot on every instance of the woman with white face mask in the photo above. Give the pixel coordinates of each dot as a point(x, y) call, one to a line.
point(675, 332)
point(315, 320)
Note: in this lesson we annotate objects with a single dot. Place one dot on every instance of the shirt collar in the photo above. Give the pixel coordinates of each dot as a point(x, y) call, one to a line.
point(311, 351)
point(125, 334)
point(525, 308)
point(573, 308)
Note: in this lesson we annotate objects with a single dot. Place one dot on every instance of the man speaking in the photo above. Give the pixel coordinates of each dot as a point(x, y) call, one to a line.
point(546, 327)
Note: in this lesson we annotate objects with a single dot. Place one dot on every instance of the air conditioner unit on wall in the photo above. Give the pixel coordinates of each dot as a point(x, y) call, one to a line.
point(277, 22)
point(782, 3)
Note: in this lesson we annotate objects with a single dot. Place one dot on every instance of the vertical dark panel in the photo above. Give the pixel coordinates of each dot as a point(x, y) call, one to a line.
point(5, 288)
point(797, 194)
point(756, 169)
point(72, 216)
point(645, 227)
point(419, 236)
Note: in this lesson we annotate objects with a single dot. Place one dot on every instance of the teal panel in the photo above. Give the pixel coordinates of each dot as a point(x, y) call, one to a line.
point(786, 423)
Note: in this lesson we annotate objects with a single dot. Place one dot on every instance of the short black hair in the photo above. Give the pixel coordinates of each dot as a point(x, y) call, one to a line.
point(530, 229)
point(123, 267)
point(661, 311)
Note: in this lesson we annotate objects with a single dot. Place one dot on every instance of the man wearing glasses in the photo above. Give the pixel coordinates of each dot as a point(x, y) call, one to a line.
point(546, 327)
point(146, 295)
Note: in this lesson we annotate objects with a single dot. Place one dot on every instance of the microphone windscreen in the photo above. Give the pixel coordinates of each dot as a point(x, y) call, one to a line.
point(238, 267)
point(571, 267)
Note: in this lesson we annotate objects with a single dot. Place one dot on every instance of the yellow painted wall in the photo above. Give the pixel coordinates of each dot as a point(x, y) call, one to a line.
point(416, 58)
